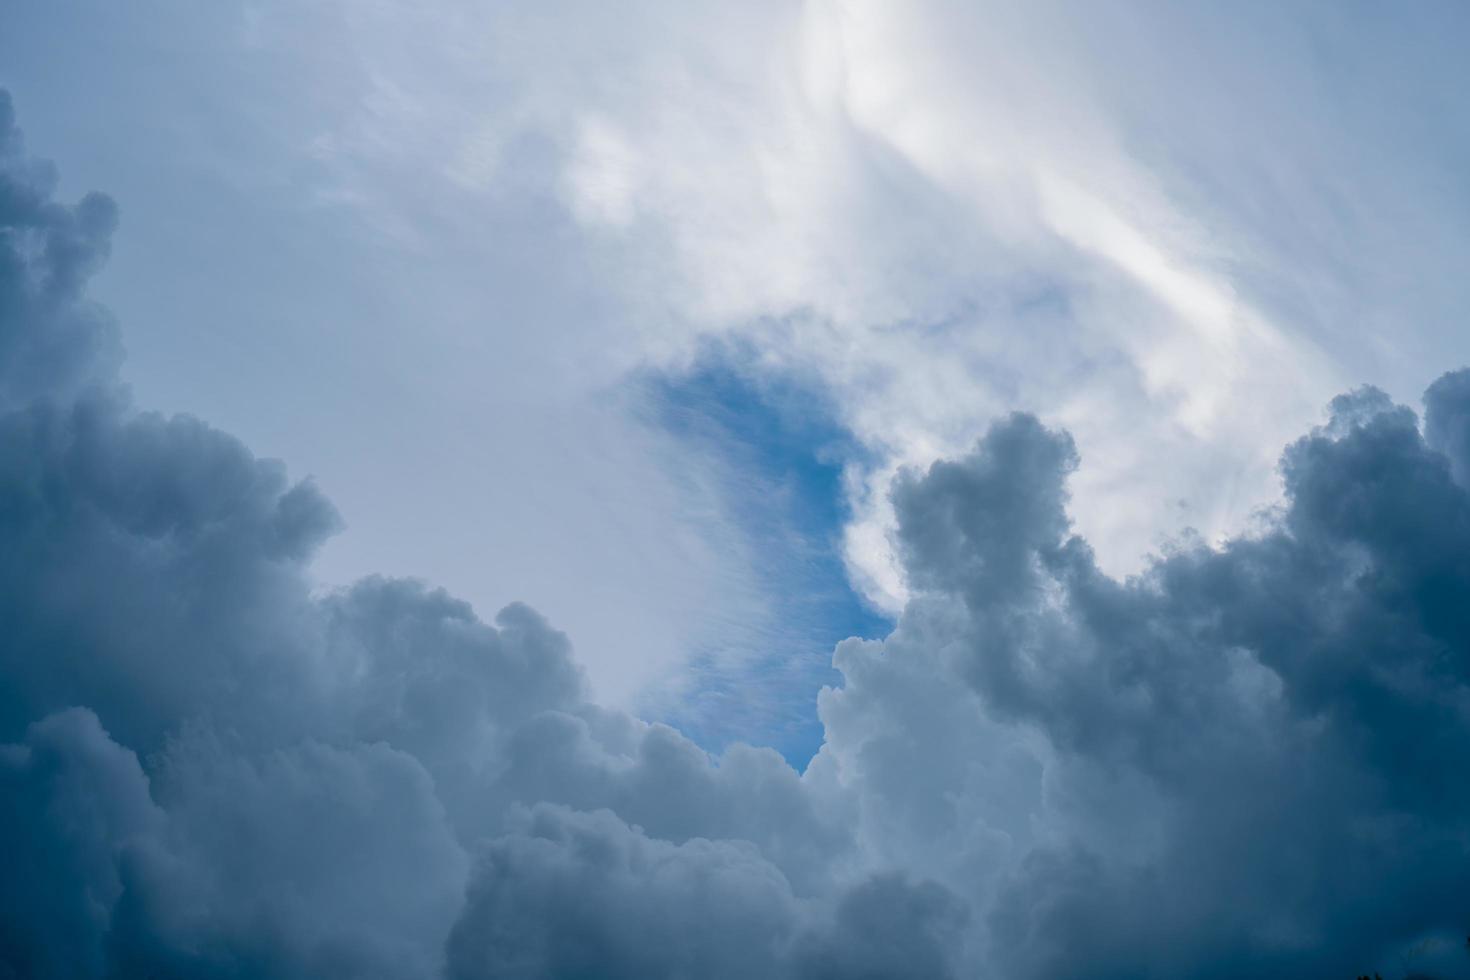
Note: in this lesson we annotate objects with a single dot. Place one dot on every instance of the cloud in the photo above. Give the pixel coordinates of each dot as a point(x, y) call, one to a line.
point(73, 799)
point(936, 214)
point(1245, 760)
point(573, 895)
point(1247, 755)
point(1447, 421)
point(53, 340)
point(941, 212)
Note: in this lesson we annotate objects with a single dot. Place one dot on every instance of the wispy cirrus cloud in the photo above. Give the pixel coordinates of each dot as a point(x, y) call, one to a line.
point(943, 211)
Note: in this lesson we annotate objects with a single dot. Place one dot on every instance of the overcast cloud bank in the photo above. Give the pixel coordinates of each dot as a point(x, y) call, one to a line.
point(1246, 761)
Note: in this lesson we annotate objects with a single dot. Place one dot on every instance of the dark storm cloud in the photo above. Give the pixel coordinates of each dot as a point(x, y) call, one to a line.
point(1447, 421)
point(1247, 761)
point(51, 339)
point(570, 894)
point(1288, 715)
point(583, 894)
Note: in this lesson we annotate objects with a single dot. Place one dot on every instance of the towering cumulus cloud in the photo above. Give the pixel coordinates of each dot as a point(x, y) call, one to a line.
point(1248, 761)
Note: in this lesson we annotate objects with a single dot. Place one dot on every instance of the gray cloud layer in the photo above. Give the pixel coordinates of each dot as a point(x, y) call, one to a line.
point(1248, 761)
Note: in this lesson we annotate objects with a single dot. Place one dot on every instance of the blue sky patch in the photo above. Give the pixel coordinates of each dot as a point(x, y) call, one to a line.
point(779, 451)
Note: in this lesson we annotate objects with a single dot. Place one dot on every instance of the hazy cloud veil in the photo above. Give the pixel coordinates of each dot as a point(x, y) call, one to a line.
point(1246, 761)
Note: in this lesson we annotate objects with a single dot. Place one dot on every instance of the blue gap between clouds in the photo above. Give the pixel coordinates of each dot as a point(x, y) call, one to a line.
point(778, 450)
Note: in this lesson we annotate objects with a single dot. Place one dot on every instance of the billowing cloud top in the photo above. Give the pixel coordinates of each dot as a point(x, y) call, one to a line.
point(1246, 761)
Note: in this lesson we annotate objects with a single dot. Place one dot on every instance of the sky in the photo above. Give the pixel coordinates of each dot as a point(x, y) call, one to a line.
point(794, 489)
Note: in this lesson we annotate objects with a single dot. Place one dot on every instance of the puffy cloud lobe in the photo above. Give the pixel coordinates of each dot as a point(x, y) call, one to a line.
point(1284, 718)
point(570, 894)
point(1447, 421)
point(886, 926)
point(1241, 762)
point(51, 340)
point(73, 800)
point(576, 895)
point(133, 538)
point(219, 866)
point(312, 860)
